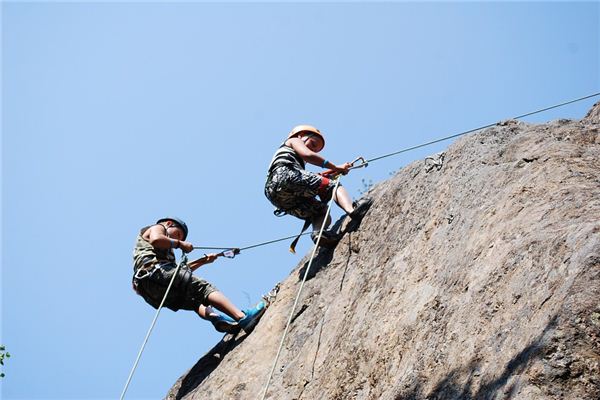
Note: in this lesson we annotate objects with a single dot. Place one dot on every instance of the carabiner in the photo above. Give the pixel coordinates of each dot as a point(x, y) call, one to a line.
point(364, 163)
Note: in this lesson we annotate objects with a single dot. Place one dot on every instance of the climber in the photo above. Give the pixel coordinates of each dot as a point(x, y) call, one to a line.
point(154, 265)
point(292, 189)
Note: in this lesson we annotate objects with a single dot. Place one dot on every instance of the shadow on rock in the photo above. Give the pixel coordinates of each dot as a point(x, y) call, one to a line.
point(324, 255)
point(206, 365)
point(451, 388)
point(322, 259)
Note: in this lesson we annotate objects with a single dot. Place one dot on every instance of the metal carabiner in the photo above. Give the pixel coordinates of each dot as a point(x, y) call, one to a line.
point(364, 163)
point(334, 174)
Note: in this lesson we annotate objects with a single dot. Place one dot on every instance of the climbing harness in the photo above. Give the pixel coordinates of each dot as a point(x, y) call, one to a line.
point(289, 322)
point(329, 174)
point(149, 265)
point(292, 248)
point(183, 277)
point(182, 263)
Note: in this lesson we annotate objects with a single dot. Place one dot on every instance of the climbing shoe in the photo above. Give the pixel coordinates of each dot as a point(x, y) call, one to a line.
point(252, 315)
point(329, 239)
point(223, 323)
point(360, 208)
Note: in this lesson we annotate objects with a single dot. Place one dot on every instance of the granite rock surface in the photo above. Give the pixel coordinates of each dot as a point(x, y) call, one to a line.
point(475, 275)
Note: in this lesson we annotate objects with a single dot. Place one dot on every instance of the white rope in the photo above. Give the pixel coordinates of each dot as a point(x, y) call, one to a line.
point(137, 360)
point(289, 322)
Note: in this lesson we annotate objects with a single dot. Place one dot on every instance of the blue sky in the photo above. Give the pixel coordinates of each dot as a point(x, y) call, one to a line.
point(116, 114)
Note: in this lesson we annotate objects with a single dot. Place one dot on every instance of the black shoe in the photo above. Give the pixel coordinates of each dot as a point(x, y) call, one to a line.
point(360, 208)
point(328, 239)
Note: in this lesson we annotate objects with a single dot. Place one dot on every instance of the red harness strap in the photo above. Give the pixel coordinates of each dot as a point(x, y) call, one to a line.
point(323, 185)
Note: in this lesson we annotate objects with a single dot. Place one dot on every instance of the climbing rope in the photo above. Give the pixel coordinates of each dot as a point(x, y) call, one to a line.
point(479, 128)
point(364, 163)
point(183, 261)
point(289, 322)
point(251, 246)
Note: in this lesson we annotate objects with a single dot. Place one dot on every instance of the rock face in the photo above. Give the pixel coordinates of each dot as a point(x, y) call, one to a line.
point(478, 278)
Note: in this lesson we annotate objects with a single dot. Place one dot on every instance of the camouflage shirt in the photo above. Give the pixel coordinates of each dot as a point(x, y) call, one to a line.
point(144, 252)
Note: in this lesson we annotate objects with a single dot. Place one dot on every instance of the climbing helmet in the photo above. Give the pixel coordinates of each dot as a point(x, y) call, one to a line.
point(306, 128)
point(178, 222)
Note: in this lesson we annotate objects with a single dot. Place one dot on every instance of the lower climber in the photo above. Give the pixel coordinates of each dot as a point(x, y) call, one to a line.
point(154, 265)
point(293, 190)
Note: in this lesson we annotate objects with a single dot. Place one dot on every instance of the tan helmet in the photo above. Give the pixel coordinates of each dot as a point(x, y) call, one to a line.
point(306, 128)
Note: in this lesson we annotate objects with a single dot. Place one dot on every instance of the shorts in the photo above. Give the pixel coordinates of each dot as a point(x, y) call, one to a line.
point(182, 296)
point(294, 190)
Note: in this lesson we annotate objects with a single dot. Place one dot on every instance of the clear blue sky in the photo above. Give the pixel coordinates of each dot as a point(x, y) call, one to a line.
point(114, 115)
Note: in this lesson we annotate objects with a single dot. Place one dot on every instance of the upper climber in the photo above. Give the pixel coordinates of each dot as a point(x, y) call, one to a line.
point(292, 189)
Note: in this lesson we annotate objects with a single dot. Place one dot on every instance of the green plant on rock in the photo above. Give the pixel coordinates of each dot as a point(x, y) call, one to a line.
point(3, 354)
point(366, 186)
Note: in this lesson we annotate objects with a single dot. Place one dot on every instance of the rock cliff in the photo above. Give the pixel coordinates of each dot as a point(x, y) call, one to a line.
point(475, 275)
